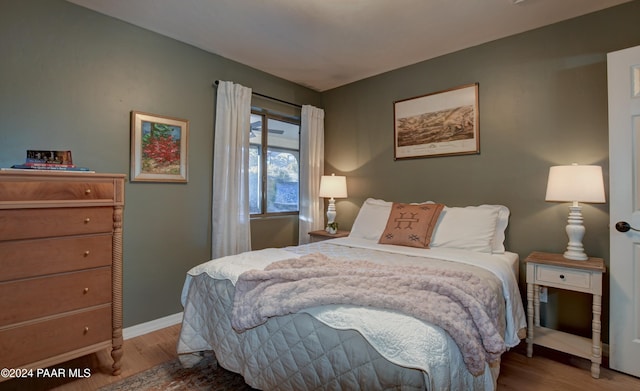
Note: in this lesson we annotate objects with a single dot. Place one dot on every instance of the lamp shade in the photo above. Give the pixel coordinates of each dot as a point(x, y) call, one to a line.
point(333, 186)
point(575, 183)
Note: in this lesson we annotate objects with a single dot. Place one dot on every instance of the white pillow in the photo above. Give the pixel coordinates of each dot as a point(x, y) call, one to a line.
point(501, 226)
point(371, 219)
point(470, 228)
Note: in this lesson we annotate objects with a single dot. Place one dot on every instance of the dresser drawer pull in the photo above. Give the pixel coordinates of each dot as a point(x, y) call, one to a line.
point(87, 192)
point(85, 291)
point(86, 253)
point(87, 220)
point(86, 329)
point(562, 276)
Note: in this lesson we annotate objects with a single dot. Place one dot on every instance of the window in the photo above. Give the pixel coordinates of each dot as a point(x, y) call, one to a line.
point(274, 169)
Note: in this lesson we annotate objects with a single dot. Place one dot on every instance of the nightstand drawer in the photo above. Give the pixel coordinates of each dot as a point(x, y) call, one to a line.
point(563, 277)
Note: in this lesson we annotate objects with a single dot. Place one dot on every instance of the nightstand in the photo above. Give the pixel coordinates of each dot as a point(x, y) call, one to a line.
point(553, 270)
point(320, 235)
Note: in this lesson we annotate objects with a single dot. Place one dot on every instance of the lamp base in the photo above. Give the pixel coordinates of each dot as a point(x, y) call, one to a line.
point(331, 216)
point(575, 255)
point(575, 232)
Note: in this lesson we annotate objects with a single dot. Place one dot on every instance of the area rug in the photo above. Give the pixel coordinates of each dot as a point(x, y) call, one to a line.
point(206, 375)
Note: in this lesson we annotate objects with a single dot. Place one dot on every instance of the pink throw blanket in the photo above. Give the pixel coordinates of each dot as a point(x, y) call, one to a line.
point(457, 301)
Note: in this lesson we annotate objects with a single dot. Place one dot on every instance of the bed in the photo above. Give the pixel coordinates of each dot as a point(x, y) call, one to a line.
point(281, 317)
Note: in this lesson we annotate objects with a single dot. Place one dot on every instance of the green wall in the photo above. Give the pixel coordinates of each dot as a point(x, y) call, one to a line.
point(543, 102)
point(69, 78)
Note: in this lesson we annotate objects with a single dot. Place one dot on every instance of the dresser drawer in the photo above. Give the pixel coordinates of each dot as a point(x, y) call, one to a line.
point(42, 223)
point(561, 277)
point(37, 257)
point(56, 191)
point(36, 341)
point(23, 300)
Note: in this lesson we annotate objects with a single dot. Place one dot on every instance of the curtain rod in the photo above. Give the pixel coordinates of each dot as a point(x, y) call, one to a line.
point(215, 84)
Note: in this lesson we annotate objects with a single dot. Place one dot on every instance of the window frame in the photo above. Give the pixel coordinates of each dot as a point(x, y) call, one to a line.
point(266, 115)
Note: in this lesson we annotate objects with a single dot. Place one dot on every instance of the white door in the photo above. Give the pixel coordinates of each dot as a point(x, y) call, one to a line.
point(624, 193)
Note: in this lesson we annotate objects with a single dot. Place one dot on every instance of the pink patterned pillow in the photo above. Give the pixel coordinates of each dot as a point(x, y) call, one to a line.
point(411, 225)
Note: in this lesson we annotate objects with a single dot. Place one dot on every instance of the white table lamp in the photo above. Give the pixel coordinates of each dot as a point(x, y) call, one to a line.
point(575, 183)
point(332, 187)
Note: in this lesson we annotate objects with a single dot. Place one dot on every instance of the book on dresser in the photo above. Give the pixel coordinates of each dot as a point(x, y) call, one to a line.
point(60, 267)
point(48, 160)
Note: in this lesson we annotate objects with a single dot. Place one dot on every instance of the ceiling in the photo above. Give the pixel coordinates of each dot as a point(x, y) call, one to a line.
point(323, 44)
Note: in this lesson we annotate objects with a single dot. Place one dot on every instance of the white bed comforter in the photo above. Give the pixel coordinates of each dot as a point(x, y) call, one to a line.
point(401, 339)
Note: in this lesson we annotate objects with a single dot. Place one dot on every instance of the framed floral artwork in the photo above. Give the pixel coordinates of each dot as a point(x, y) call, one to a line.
point(159, 148)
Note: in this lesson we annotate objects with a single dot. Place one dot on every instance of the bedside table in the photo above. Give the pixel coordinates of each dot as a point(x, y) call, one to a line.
point(320, 235)
point(553, 270)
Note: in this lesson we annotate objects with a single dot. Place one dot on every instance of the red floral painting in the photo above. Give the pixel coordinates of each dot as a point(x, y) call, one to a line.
point(158, 148)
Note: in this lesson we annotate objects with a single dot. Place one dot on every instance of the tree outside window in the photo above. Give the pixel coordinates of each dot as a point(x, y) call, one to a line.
point(274, 165)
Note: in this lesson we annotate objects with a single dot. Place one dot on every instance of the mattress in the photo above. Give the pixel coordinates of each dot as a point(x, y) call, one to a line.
point(340, 346)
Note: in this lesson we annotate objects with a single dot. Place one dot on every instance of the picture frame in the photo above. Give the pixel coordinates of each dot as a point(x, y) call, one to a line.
point(442, 123)
point(159, 148)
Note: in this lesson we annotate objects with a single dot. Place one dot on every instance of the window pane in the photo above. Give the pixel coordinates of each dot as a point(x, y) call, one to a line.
point(255, 171)
point(282, 181)
point(283, 169)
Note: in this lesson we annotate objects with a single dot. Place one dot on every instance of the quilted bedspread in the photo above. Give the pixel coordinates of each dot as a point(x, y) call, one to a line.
point(458, 301)
point(330, 347)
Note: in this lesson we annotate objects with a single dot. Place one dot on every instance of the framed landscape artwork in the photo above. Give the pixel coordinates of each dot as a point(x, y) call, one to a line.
point(439, 124)
point(158, 148)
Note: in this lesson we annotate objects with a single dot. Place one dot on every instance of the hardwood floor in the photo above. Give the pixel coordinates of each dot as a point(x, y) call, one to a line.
point(547, 370)
point(140, 353)
point(551, 370)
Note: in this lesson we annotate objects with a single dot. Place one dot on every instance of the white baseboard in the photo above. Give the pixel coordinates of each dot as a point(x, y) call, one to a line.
point(153, 325)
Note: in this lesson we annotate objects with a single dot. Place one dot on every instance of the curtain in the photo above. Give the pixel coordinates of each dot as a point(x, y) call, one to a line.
point(231, 233)
point(311, 169)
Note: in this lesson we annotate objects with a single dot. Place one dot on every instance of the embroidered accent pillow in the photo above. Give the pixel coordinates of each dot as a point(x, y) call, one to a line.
point(411, 225)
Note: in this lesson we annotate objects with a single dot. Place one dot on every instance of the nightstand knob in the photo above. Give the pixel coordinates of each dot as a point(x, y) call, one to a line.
point(562, 276)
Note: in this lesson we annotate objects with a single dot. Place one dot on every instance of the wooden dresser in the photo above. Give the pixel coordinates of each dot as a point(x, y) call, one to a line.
point(60, 267)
